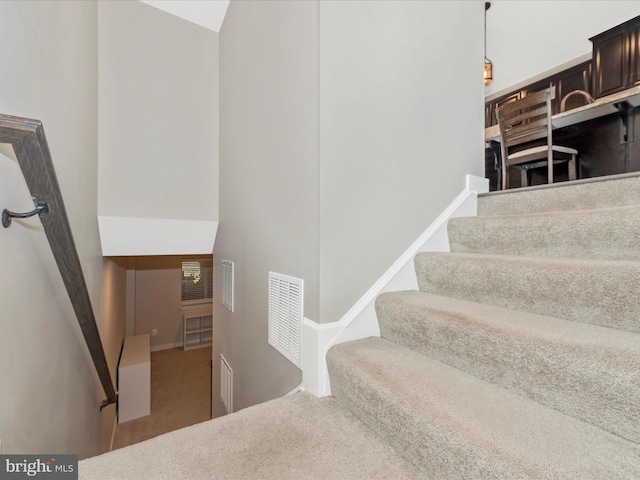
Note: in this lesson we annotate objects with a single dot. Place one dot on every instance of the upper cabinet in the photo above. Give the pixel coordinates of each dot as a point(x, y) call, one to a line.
point(616, 58)
point(634, 54)
point(570, 80)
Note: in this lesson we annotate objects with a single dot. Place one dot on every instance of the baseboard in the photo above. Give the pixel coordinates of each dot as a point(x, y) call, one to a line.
point(361, 320)
point(316, 341)
point(166, 346)
point(401, 275)
point(113, 431)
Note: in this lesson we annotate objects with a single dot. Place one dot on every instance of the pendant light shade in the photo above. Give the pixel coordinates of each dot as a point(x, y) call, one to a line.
point(488, 71)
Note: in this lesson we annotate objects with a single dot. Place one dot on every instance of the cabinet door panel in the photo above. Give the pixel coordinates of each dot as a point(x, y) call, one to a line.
point(634, 51)
point(611, 59)
point(537, 87)
point(576, 78)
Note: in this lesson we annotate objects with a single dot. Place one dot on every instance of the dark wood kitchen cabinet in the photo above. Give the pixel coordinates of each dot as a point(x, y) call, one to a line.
point(572, 79)
point(634, 54)
point(616, 58)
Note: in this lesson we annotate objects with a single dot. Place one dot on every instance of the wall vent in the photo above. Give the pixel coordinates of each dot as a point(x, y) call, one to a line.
point(226, 385)
point(227, 284)
point(285, 315)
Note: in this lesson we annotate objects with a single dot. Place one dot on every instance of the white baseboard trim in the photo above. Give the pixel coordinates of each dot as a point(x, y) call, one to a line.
point(166, 346)
point(316, 341)
point(361, 320)
point(113, 430)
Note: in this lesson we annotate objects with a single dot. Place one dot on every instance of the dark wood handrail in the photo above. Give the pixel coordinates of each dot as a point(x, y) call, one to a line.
point(32, 152)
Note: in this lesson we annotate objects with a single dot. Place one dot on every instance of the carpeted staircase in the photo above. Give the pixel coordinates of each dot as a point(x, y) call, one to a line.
point(517, 358)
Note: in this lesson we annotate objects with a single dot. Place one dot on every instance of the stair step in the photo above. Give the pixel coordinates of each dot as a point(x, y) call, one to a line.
point(600, 292)
point(601, 192)
point(586, 371)
point(453, 425)
point(294, 437)
point(608, 234)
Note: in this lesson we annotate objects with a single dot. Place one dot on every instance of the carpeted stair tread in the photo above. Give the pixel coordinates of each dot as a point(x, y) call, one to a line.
point(605, 192)
point(454, 425)
point(294, 437)
point(586, 371)
point(607, 233)
point(599, 292)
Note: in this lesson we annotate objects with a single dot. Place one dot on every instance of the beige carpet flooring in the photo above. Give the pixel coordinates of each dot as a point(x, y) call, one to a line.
point(180, 395)
point(297, 437)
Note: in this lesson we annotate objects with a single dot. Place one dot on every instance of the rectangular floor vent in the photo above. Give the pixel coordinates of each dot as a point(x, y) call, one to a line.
point(226, 385)
point(286, 296)
point(227, 284)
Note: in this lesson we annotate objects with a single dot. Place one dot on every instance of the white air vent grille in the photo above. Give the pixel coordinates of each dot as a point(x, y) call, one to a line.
point(227, 284)
point(286, 296)
point(226, 385)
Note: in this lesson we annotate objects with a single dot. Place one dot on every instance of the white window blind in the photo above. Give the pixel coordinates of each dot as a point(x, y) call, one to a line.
point(197, 280)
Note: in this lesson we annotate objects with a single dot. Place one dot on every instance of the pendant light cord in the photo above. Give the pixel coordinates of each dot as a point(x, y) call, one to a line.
point(487, 5)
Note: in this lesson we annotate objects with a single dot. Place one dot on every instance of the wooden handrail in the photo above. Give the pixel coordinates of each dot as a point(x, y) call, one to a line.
point(32, 152)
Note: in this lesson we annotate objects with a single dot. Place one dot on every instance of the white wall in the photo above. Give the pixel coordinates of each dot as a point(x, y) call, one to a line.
point(158, 113)
point(49, 392)
point(400, 122)
point(154, 299)
point(158, 298)
point(346, 128)
point(526, 38)
point(268, 184)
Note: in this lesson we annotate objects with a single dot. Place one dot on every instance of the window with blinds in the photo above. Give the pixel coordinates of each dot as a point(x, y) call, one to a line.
point(197, 280)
